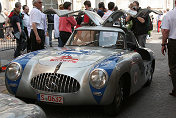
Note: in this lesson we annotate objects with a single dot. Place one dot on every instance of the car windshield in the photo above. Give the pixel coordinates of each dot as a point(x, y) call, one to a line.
point(96, 39)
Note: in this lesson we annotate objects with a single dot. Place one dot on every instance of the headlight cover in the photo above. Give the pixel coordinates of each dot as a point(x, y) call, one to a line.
point(98, 78)
point(13, 71)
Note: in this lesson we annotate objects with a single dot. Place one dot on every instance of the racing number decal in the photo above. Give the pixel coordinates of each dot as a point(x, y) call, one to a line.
point(65, 59)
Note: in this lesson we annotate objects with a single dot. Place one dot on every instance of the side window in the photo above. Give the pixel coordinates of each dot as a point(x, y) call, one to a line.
point(120, 41)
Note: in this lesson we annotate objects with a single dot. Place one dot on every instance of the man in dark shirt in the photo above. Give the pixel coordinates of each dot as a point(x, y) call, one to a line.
point(140, 25)
point(17, 6)
point(100, 11)
point(15, 22)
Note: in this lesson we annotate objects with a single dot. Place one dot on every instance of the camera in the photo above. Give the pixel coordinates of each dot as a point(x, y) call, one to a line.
point(134, 8)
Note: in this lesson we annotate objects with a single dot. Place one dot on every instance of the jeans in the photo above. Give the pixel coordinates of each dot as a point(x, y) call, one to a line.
point(60, 44)
point(141, 39)
point(18, 48)
point(28, 40)
point(172, 61)
point(64, 37)
point(50, 29)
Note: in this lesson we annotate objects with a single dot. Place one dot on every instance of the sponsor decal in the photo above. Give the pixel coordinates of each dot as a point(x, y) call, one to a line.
point(65, 59)
point(76, 52)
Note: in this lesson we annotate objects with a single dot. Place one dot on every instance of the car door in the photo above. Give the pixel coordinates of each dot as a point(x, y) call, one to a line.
point(118, 17)
point(96, 19)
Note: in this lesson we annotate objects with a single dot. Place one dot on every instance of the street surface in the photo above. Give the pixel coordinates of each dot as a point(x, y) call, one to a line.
point(149, 102)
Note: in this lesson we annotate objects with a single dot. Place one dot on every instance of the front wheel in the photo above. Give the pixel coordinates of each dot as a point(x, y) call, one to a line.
point(120, 97)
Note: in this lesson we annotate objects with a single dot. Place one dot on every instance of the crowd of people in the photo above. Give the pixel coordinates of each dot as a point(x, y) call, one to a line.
point(37, 28)
point(34, 27)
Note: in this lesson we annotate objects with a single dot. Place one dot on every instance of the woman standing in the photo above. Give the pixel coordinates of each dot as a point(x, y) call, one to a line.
point(66, 24)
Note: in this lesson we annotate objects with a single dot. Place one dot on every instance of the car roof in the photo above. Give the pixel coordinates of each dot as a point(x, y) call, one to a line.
point(100, 28)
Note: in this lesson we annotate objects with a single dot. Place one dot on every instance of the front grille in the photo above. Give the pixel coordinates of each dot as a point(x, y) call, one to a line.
point(54, 82)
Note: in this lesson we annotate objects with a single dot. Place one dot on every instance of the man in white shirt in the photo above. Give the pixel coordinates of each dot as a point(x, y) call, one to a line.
point(169, 39)
point(110, 10)
point(56, 27)
point(25, 24)
point(56, 30)
point(37, 35)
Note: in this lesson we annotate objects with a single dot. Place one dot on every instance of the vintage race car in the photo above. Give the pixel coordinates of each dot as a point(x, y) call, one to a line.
point(100, 65)
point(11, 107)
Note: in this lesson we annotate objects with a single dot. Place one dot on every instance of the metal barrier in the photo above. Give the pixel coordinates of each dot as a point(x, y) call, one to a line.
point(8, 42)
point(7, 46)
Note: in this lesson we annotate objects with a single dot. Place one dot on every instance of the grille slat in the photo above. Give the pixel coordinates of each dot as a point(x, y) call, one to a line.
point(54, 82)
point(65, 84)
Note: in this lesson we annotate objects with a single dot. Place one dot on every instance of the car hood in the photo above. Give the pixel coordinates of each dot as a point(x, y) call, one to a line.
point(75, 57)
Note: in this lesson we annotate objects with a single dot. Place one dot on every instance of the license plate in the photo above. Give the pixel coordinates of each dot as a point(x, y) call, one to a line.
point(50, 98)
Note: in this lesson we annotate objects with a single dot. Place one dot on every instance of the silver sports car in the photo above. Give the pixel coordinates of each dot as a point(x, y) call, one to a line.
point(100, 65)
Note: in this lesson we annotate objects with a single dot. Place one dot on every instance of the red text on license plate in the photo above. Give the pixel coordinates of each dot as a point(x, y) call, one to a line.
point(51, 98)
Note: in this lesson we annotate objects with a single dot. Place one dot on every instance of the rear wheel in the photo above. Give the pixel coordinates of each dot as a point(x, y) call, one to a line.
point(122, 94)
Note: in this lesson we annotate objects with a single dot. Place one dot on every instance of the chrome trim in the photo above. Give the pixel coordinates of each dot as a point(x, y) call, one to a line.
point(58, 67)
point(17, 76)
point(54, 82)
point(106, 74)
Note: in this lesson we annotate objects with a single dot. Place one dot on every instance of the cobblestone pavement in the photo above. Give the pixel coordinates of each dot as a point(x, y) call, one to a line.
point(149, 102)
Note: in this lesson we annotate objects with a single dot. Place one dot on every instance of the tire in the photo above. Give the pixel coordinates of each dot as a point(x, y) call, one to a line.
point(28, 101)
point(121, 96)
point(149, 76)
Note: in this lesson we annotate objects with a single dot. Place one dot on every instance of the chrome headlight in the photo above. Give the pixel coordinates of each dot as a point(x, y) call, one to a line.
point(13, 71)
point(98, 78)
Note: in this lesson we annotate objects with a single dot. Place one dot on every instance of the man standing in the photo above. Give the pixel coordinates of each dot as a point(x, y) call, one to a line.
point(66, 24)
point(86, 20)
point(169, 39)
point(15, 22)
point(159, 21)
point(56, 27)
point(140, 25)
point(25, 24)
point(50, 27)
point(18, 6)
point(111, 6)
point(100, 11)
point(37, 35)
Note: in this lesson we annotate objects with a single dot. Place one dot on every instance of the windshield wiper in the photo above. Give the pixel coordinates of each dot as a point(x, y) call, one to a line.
point(92, 42)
